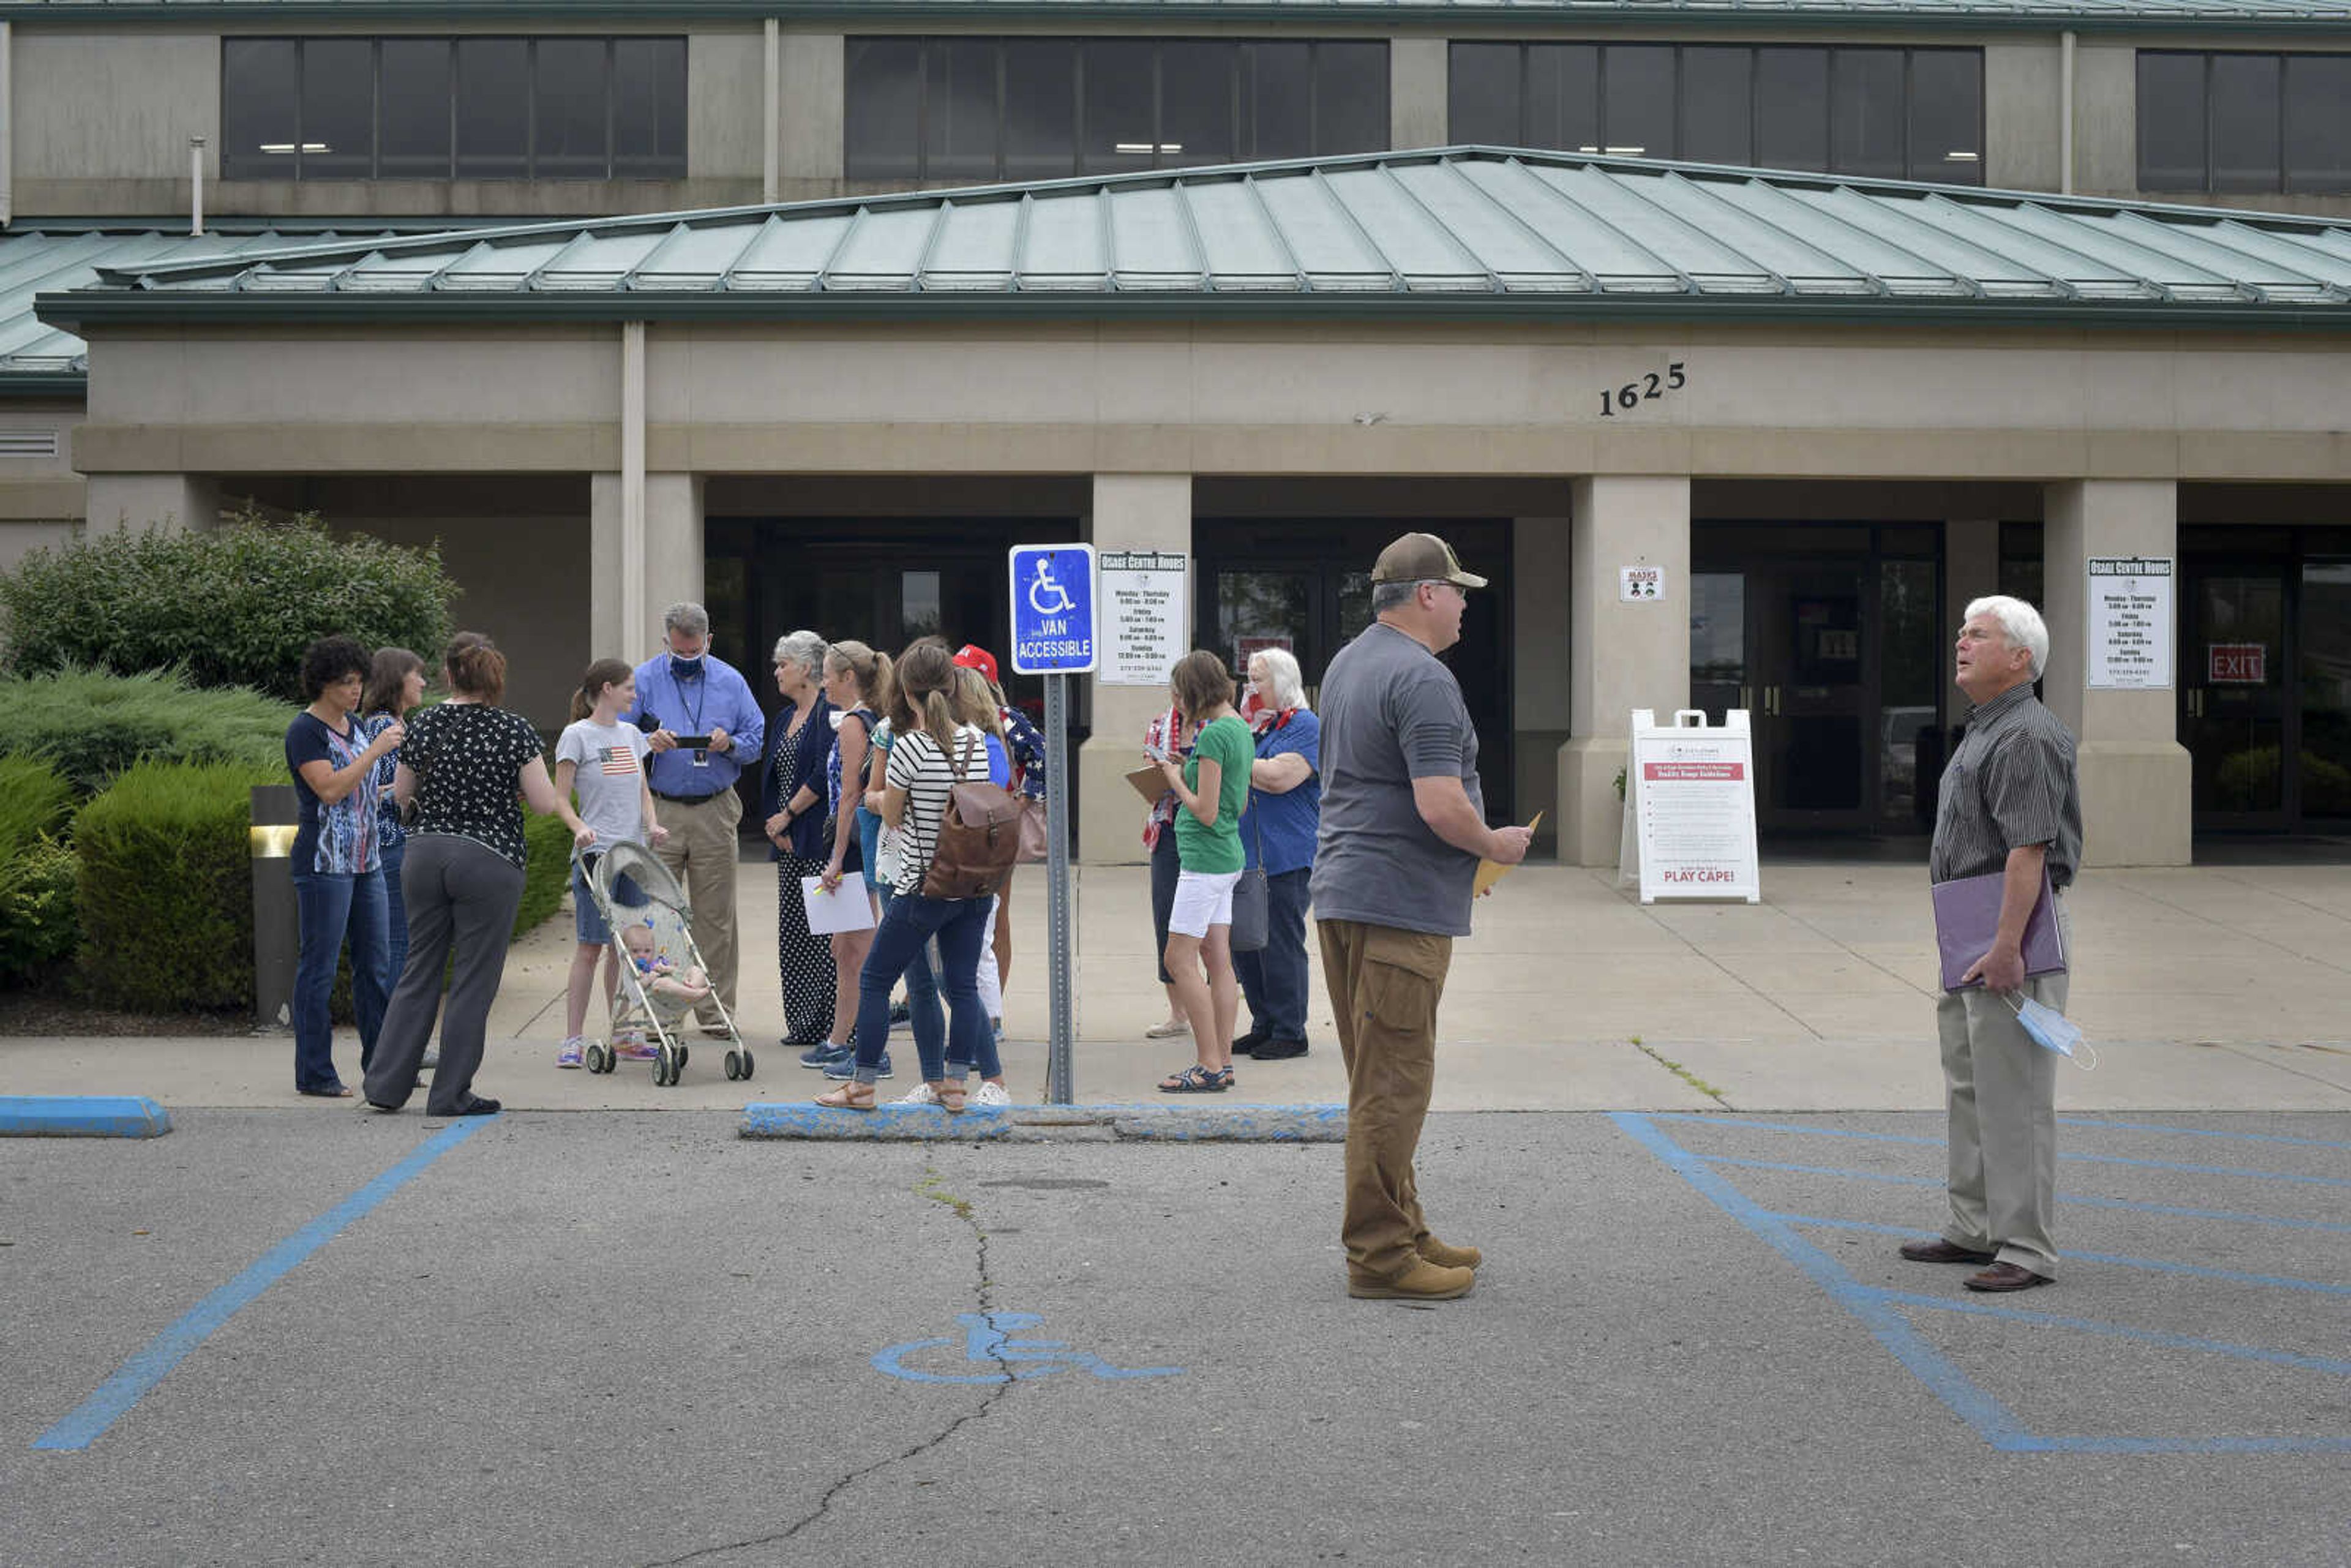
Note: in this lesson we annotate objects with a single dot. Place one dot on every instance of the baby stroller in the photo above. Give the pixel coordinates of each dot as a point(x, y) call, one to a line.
point(642, 1003)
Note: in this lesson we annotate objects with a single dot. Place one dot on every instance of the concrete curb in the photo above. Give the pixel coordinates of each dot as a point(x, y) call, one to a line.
point(803, 1122)
point(82, 1116)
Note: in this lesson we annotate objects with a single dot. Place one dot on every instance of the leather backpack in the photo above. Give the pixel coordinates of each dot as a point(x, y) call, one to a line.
point(978, 839)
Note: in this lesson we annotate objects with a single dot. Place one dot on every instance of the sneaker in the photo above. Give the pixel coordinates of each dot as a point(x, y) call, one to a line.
point(636, 1049)
point(845, 1069)
point(991, 1095)
point(572, 1054)
point(824, 1053)
point(920, 1095)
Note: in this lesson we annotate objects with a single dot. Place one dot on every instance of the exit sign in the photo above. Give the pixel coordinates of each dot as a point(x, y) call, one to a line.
point(2237, 664)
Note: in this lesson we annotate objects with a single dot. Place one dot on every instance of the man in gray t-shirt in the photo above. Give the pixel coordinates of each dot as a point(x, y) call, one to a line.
point(1404, 826)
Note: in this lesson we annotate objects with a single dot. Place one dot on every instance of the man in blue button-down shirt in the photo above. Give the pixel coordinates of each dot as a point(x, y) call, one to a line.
point(691, 693)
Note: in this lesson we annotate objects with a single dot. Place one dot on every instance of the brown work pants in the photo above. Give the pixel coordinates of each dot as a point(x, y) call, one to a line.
point(1385, 984)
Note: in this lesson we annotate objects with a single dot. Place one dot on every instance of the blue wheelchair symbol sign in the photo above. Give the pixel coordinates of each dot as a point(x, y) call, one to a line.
point(1053, 630)
point(988, 1342)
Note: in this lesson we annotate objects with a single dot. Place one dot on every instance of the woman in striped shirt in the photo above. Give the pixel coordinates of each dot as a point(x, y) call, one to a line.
point(928, 749)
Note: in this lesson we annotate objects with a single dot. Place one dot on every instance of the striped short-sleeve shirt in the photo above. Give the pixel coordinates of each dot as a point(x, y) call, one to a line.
point(2009, 783)
point(918, 766)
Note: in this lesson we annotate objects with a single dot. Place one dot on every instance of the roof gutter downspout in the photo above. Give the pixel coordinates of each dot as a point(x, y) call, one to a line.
point(634, 611)
point(770, 169)
point(2066, 113)
point(7, 123)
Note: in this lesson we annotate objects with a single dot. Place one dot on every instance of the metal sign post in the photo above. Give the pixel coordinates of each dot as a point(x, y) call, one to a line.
point(1054, 595)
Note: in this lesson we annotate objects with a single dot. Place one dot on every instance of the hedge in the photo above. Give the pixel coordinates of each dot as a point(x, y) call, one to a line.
point(547, 876)
point(91, 725)
point(35, 801)
point(39, 927)
point(234, 606)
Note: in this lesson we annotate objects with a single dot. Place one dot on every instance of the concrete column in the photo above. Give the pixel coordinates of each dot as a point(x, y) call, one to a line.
point(1131, 511)
point(2135, 774)
point(173, 501)
point(1622, 656)
point(624, 618)
point(1419, 71)
point(811, 98)
point(1970, 572)
point(1542, 709)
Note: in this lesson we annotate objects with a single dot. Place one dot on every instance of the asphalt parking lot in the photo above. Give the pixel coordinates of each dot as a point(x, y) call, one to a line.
point(635, 1338)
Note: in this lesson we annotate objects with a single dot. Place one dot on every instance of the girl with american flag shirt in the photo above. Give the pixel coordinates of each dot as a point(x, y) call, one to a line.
point(603, 760)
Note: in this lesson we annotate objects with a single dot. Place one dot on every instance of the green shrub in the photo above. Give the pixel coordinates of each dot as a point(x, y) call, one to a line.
point(164, 886)
point(92, 726)
point(35, 801)
point(37, 923)
point(232, 606)
point(546, 869)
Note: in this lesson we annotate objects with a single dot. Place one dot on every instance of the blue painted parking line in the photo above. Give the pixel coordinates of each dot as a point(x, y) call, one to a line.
point(988, 1342)
point(2152, 1265)
point(2085, 1201)
point(114, 1397)
point(82, 1116)
point(2063, 1154)
point(1881, 1312)
point(2197, 1133)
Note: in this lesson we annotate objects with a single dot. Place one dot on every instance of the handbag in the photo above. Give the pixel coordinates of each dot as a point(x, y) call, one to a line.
point(1252, 902)
point(1034, 836)
point(978, 839)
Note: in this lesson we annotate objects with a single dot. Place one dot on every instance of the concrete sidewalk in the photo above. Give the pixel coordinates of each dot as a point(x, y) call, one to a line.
point(2209, 987)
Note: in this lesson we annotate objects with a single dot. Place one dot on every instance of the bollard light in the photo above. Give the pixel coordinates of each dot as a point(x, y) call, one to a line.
point(277, 921)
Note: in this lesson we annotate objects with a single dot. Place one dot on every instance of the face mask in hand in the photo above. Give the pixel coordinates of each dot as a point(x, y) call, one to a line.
point(2053, 1030)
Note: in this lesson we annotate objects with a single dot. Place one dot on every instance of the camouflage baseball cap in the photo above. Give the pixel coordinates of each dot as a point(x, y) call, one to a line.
point(1423, 558)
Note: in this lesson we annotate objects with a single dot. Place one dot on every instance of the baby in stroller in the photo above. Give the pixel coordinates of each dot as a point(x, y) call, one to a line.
point(662, 979)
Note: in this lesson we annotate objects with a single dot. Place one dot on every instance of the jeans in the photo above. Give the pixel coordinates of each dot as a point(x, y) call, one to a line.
point(924, 1015)
point(960, 924)
point(395, 908)
point(331, 907)
point(1165, 868)
point(1274, 980)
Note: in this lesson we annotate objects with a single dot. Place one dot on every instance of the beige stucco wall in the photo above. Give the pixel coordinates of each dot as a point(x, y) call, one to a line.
point(2020, 96)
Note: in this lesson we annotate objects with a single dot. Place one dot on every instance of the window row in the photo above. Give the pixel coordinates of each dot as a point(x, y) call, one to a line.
point(1038, 109)
point(1889, 113)
point(2245, 122)
point(465, 109)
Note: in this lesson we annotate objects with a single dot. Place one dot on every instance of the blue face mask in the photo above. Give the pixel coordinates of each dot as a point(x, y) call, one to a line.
point(2053, 1030)
point(684, 669)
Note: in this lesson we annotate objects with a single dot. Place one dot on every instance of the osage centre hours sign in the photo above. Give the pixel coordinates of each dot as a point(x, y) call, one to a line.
point(2130, 622)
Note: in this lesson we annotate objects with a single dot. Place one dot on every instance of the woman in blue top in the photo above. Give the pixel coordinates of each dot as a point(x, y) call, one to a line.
point(1285, 808)
point(856, 678)
point(792, 798)
point(338, 872)
point(395, 687)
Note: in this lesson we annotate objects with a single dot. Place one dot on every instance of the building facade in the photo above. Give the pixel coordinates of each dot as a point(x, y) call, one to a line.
point(1260, 285)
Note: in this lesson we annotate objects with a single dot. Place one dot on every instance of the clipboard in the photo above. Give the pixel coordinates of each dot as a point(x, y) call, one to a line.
point(1149, 783)
point(1967, 917)
point(1491, 872)
point(845, 908)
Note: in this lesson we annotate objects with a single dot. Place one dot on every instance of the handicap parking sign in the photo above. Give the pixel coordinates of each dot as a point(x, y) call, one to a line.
point(1053, 630)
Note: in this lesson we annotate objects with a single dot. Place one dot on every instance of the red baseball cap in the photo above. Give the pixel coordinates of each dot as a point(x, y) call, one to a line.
point(972, 656)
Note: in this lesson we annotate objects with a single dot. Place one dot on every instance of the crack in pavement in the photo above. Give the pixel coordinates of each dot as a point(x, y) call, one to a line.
point(931, 1187)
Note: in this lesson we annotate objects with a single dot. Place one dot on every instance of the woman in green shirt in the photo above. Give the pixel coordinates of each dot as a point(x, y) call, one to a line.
point(1213, 788)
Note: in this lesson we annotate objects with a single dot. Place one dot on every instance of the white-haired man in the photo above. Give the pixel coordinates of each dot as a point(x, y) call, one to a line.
point(2011, 803)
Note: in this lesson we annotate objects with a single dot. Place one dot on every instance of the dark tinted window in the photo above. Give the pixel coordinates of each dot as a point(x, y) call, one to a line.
point(493, 109)
point(1564, 97)
point(414, 102)
point(1637, 85)
point(648, 108)
point(261, 116)
point(1119, 107)
point(1277, 99)
point(959, 115)
point(1351, 98)
point(571, 109)
point(338, 109)
point(1792, 107)
point(1947, 116)
point(1865, 119)
point(1040, 108)
point(2171, 122)
point(1718, 106)
point(2318, 123)
point(1481, 97)
point(2244, 118)
point(1197, 83)
point(882, 120)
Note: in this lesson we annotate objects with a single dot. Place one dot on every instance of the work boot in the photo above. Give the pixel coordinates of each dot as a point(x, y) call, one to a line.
point(1447, 1257)
point(1424, 1281)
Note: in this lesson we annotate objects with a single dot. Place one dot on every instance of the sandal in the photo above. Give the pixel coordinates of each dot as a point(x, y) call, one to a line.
point(1194, 1080)
point(1225, 1077)
point(851, 1096)
point(950, 1097)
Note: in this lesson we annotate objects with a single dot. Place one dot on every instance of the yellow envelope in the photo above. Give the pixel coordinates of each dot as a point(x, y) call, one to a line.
point(1491, 872)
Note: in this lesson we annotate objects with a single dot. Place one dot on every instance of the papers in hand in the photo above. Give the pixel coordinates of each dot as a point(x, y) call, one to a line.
point(1491, 872)
point(1966, 918)
point(845, 908)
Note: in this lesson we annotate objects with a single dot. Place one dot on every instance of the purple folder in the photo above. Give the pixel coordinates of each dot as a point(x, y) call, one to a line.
point(1967, 915)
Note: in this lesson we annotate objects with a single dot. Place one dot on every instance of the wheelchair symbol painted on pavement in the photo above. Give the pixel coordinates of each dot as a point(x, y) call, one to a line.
point(1060, 603)
point(988, 1341)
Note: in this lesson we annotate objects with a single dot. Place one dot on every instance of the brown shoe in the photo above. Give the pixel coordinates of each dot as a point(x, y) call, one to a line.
point(1447, 1257)
point(1941, 1251)
point(2005, 1277)
point(1424, 1281)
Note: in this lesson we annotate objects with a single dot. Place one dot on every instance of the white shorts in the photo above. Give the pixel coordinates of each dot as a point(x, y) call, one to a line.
point(1203, 898)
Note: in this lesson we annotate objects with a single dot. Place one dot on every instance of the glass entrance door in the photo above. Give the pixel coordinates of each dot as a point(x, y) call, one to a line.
point(1814, 765)
point(2233, 692)
point(2324, 669)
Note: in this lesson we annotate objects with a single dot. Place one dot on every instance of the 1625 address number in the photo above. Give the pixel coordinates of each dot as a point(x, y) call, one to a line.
point(1648, 389)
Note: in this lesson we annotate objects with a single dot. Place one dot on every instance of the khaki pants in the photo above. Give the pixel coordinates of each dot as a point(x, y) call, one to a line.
point(2002, 1092)
point(701, 853)
point(1385, 985)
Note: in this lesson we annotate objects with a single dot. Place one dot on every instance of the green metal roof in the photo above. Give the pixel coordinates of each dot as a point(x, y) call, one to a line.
point(1463, 230)
point(1484, 15)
